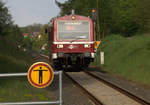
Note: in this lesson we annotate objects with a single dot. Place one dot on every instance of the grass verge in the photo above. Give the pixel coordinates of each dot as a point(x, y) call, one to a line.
point(17, 89)
point(128, 57)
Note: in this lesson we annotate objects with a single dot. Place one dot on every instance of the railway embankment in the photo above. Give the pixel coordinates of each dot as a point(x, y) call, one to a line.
point(127, 57)
point(14, 60)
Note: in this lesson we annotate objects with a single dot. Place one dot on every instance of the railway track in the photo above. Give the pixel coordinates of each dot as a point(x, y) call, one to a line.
point(92, 97)
point(121, 90)
point(102, 92)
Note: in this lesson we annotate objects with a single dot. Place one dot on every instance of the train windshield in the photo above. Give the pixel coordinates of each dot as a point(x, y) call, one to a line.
point(73, 30)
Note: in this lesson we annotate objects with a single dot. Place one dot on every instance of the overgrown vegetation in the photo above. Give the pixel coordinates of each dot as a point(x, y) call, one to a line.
point(128, 57)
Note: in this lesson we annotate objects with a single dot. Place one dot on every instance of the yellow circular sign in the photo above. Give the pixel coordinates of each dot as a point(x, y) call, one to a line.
point(40, 75)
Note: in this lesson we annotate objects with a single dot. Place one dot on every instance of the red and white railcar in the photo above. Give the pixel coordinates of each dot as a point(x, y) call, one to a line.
point(72, 41)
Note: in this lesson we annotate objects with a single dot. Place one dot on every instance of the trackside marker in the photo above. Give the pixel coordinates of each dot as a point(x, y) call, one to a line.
point(96, 44)
point(40, 75)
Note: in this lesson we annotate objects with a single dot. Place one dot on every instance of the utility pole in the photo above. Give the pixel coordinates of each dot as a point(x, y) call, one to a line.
point(98, 21)
point(95, 18)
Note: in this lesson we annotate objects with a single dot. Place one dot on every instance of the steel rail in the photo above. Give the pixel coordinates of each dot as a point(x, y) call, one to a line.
point(121, 90)
point(91, 97)
point(45, 56)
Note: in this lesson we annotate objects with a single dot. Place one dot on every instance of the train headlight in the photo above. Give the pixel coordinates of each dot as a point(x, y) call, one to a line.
point(87, 46)
point(60, 46)
point(73, 17)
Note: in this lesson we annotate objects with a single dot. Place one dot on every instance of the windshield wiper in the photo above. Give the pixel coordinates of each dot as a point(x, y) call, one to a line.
point(75, 40)
point(78, 37)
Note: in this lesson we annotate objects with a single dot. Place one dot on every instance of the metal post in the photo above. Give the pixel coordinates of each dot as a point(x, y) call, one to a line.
point(102, 57)
point(30, 103)
point(60, 87)
point(13, 74)
point(96, 59)
point(98, 21)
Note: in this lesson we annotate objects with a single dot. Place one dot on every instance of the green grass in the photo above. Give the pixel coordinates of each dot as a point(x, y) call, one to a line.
point(128, 57)
point(13, 89)
point(19, 89)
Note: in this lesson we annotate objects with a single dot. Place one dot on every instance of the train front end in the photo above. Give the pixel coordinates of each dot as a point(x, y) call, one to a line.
point(73, 41)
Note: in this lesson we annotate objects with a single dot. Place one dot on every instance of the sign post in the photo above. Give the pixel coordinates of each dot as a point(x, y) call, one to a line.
point(96, 46)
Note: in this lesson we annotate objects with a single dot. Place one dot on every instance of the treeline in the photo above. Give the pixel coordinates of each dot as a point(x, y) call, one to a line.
point(125, 17)
point(36, 36)
point(36, 27)
point(8, 29)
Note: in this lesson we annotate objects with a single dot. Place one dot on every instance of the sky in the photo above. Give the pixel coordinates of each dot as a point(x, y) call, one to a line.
point(27, 12)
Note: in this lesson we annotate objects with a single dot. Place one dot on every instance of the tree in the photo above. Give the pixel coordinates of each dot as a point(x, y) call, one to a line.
point(125, 17)
point(5, 19)
point(66, 7)
point(143, 15)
